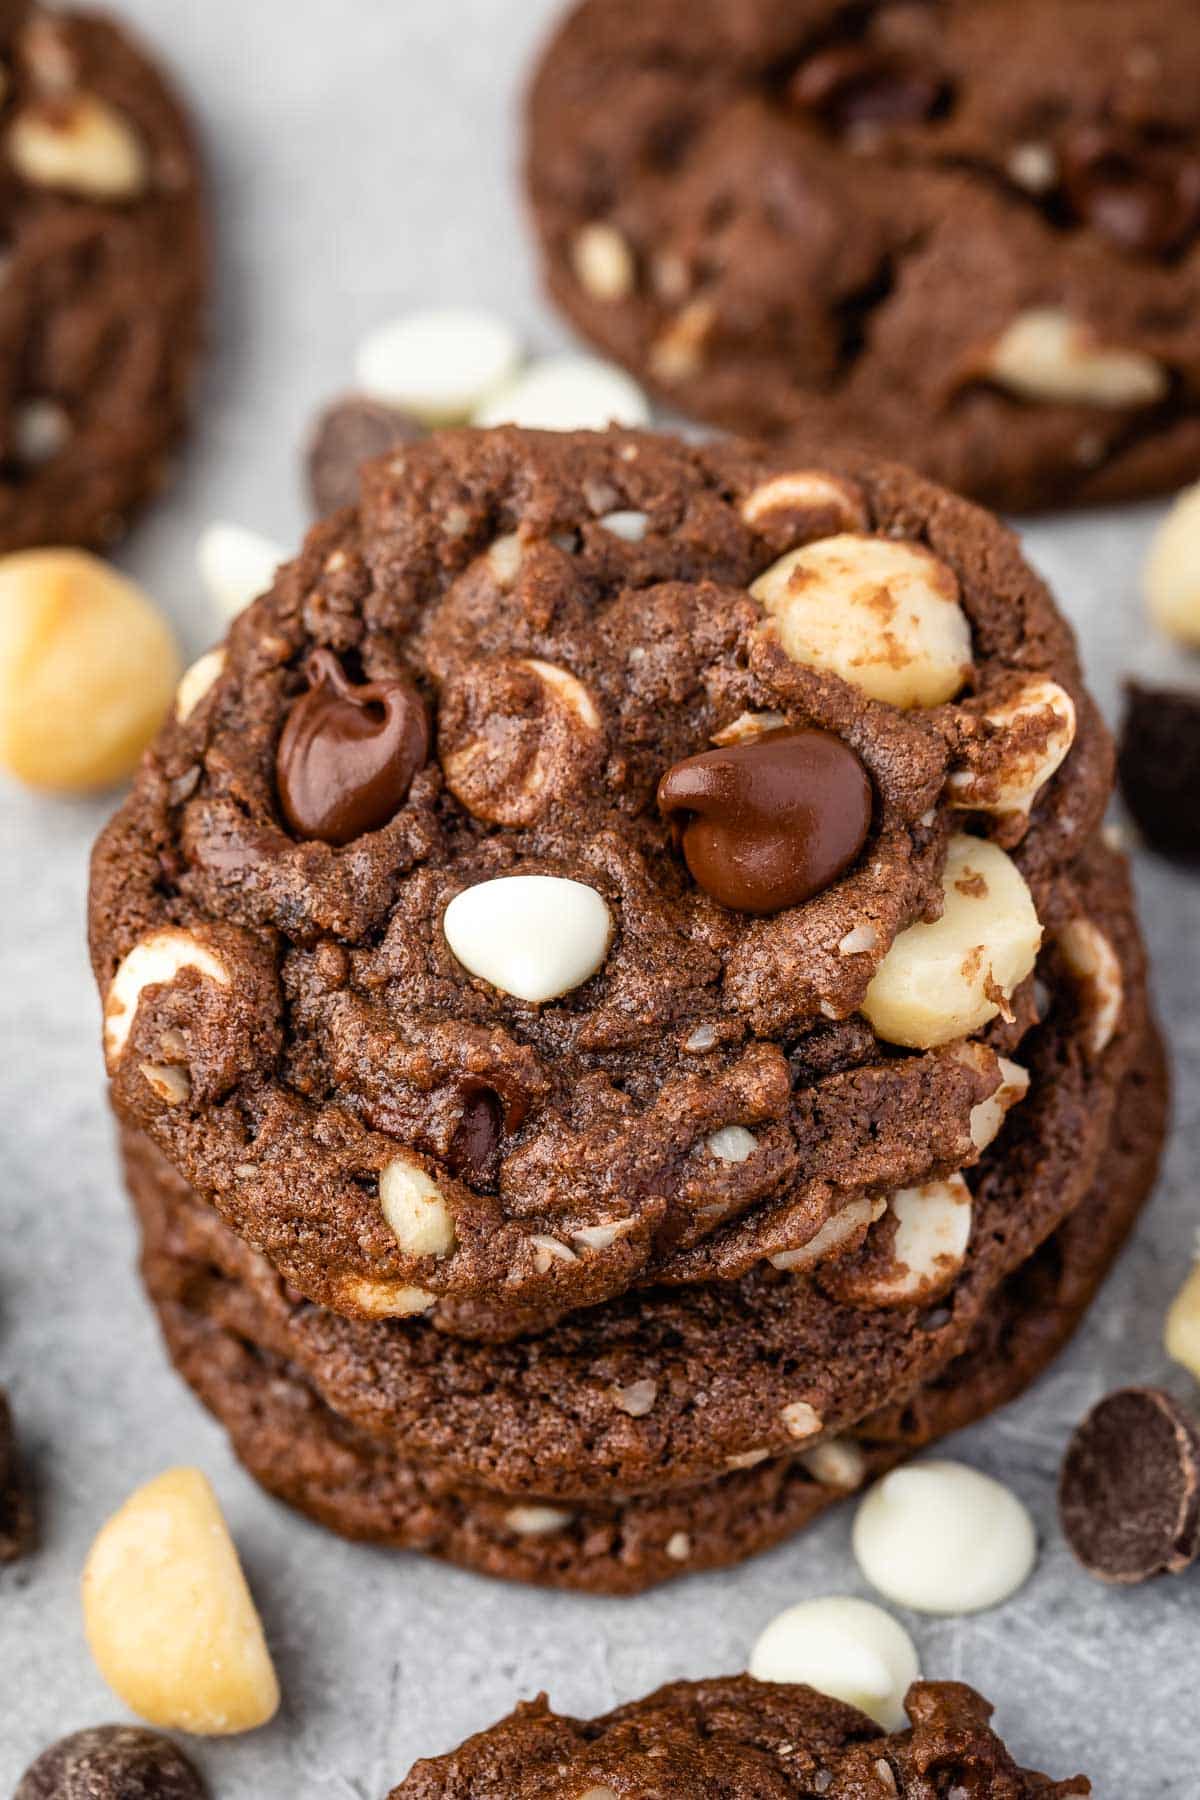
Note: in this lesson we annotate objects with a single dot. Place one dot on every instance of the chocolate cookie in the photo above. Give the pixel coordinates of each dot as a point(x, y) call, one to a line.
point(963, 233)
point(741, 1739)
point(105, 275)
point(447, 942)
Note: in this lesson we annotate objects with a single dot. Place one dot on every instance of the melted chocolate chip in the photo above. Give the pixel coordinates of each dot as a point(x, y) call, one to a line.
point(1129, 1492)
point(856, 85)
point(768, 824)
point(1142, 196)
point(348, 754)
point(477, 1135)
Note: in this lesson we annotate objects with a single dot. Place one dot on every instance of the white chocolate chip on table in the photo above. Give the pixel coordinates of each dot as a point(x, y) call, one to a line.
point(236, 566)
point(1037, 729)
point(1094, 963)
point(846, 1648)
point(566, 393)
point(882, 614)
point(1182, 1335)
point(1045, 354)
point(155, 961)
point(440, 365)
point(947, 979)
point(88, 668)
point(78, 144)
point(1171, 577)
point(536, 937)
point(169, 1618)
point(940, 1537)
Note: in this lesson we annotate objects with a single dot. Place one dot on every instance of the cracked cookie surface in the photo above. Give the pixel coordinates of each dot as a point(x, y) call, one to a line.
point(967, 234)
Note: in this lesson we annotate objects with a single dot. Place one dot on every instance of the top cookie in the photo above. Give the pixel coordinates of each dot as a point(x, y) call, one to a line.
point(741, 1739)
point(967, 234)
point(104, 278)
point(529, 896)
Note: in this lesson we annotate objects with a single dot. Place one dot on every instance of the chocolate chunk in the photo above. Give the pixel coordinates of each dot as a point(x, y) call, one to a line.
point(477, 1135)
point(16, 1513)
point(1158, 767)
point(350, 432)
point(856, 85)
point(768, 824)
point(1143, 197)
point(111, 1762)
point(348, 754)
point(1129, 1491)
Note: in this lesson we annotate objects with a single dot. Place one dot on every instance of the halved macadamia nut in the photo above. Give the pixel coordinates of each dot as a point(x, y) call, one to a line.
point(156, 961)
point(1094, 963)
point(932, 1228)
point(415, 1209)
point(882, 614)
point(385, 1299)
point(947, 979)
point(1037, 727)
point(987, 1119)
point(1045, 354)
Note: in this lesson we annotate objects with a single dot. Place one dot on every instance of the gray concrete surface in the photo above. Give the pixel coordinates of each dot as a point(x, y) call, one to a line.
point(363, 155)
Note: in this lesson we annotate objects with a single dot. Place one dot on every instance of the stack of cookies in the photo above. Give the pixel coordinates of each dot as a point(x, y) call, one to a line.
point(622, 1019)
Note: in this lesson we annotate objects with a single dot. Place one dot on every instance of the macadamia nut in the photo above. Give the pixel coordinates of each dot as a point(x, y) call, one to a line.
point(943, 1538)
point(196, 682)
point(948, 979)
point(88, 668)
point(883, 615)
point(1182, 1337)
point(843, 1647)
point(156, 961)
point(928, 1244)
point(805, 491)
point(415, 1210)
point(835, 1235)
point(78, 144)
point(1044, 354)
point(988, 1117)
point(169, 1617)
point(385, 1299)
point(1171, 578)
point(1038, 728)
point(1094, 963)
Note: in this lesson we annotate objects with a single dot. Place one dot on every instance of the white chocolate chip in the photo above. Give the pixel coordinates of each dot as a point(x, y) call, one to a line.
point(805, 490)
point(603, 262)
point(678, 352)
point(156, 961)
point(169, 1618)
point(504, 559)
point(79, 145)
point(732, 1144)
point(838, 1464)
point(1034, 167)
point(1044, 354)
point(1025, 766)
point(748, 726)
point(943, 1538)
point(40, 430)
point(439, 366)
point(933, 1229)
point(702, 1038)
point(567, 393)
point(534, 936)
point(172, 1084)
point(851, 1221)
point(637, 1399)
point(631, 526)
point(679, 1546)
point(800, 1419)
point(236, 566)
point(386, 1299)
point(948, 979)
point(843, 1647)
point(1182, 1336)
point(196, 682)
point(415, 1209)
point(1171, 578)
point(1094, 963)
point(882, 614)
point(537, 1521)
point(989, 1115)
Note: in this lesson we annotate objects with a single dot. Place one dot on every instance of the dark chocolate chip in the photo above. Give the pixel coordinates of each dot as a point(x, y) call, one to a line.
point(1129, 1491)
point(768, 824)
point(1158, 767)
point(854, 85)
point(1143, 197)
point(16, 1511)
point(350, 432)
point(477, 1135)
point(111, 1762)
point(348, 754)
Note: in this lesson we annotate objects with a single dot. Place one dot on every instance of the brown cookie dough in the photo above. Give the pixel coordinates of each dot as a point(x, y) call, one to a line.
point(967, 234)
point(106, 259)
point(400, 1125)
point(739, 1738)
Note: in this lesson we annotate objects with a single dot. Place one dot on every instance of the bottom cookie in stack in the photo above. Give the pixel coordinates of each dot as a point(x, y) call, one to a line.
point(744, 1739)
point(683, 1429)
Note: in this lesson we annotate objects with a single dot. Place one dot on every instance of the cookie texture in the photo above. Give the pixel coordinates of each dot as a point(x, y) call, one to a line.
point(105, 276)
point(410, 935)
point(738, 1738)
point(965, 233)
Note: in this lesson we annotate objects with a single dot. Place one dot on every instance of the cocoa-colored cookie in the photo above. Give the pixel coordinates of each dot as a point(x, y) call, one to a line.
point(739, 1738)
point(105, 274)
point(1158, 767)
point(354, 1480)
point(1129, 1493)
point(964, 233)
point(490, 1105)
point(16, 1507)
point(111, 1762)
point(348, 433)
